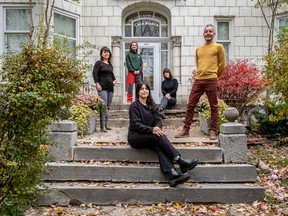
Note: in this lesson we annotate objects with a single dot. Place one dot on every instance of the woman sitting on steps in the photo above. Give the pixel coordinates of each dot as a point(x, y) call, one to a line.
point(145, 131)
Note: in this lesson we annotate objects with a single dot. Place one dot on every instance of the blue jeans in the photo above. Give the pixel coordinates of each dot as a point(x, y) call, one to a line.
point(165, 102)
point(107, 97)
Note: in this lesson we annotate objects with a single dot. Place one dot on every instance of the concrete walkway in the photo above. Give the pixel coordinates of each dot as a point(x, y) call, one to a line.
point(119, 135)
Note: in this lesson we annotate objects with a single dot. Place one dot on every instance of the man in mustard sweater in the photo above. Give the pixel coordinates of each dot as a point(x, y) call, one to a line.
point(210, 62)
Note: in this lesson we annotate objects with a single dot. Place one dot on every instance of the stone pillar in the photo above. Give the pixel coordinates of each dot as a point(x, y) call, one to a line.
point(176, 57)
point(232, 138)
point(116, 61)
point(64, 136)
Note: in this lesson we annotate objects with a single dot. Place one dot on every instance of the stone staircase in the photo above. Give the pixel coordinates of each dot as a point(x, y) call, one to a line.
point(102, 169)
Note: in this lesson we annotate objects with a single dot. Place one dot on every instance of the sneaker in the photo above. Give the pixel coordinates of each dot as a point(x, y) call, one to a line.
point(162, 115)
point(183, 133)
point(212, 135)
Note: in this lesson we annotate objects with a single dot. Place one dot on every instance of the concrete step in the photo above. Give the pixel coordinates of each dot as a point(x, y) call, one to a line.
point(127, 172)
point(208, 154)
point(112, 194)
point(170, 113)
point(175, 117)
point(124, 122)
point(119, 134)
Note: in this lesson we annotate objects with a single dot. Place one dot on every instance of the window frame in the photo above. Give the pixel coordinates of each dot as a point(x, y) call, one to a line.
point(230, 41)
point(278, 18)
point(5, 32)
point(139, 16)
point(76, 18)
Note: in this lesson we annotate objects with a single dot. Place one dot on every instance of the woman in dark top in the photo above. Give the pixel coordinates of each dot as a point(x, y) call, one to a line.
point(169, 88)
point(105, 80)
point(145, 131)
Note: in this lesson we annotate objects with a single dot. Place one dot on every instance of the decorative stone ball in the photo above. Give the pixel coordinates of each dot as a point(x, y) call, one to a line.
point(231, 114)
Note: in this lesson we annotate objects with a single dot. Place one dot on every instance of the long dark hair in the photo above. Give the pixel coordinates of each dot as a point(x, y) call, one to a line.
point(168, 71)
point(105, 48)
point(150, 101)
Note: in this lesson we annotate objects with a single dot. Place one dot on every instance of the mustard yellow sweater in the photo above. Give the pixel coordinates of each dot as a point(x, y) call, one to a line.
point(210, 61)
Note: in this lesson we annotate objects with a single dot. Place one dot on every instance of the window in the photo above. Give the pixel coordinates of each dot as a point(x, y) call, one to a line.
point(16, 28)
point(146, 24)
point(283, 21)
point(65, 28)
point(224, 36)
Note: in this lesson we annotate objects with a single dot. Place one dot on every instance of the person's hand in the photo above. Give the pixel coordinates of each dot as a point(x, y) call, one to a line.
point(157, 131)
point(168, 96)
point(98, 87)
point(193, 76)
point(136, 72)
point(114, 82)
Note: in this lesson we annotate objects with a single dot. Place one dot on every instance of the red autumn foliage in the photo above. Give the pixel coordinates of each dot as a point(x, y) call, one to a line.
point(241, 83)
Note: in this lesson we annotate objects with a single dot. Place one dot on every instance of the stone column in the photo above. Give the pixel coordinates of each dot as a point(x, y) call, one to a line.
point(232, 138)
point(64, 136)
point(176, 57)
point(116, 61)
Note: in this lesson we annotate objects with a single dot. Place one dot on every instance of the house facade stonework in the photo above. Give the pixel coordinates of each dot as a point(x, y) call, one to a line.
point(167, 31)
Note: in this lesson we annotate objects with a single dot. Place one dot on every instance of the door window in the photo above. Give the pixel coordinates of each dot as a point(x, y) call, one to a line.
point(146, 24)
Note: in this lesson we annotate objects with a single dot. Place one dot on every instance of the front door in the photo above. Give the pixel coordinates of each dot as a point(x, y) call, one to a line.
point(150, 53)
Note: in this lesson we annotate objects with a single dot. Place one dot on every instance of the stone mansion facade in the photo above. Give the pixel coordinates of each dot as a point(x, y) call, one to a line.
point(167, 31)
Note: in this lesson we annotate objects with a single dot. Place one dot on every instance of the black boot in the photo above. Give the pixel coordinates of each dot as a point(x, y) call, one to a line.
point(107, 128)
point(175, 178)
point(186, 165)
point(103, 129)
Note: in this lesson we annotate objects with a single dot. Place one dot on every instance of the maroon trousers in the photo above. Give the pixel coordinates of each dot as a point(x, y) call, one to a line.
point(208, 86)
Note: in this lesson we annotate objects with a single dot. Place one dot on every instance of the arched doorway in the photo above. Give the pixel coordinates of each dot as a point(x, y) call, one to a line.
point(150, 29)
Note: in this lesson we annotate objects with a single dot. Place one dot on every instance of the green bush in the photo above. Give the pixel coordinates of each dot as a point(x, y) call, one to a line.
point(276, 66)
point(41, 80)
point(276, 122)
point(203, 109)
point(83, 106)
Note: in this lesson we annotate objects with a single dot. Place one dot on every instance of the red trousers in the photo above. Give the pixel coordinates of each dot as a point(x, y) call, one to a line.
point(208, 86)
point(132, 78)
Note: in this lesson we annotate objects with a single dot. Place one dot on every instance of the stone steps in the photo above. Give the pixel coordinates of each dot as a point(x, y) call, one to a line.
point(120, 118)
point(103, 169)
point(126, 153)
point(126, 172)
point(148, 193)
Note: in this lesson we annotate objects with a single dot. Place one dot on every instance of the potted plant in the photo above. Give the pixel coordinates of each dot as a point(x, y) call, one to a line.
point(84, 110)
point(204, 112)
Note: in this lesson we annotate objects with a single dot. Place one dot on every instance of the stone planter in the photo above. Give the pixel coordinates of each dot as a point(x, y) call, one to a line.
point(91, 125)
point(204, 124)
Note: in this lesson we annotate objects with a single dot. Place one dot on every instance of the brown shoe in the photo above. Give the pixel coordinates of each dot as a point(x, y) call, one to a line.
point(212, 135)
point(183, 133)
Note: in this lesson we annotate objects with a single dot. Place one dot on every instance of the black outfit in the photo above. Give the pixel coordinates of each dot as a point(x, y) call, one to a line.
point(140, 134)
point(103, 74)
point(169, 86)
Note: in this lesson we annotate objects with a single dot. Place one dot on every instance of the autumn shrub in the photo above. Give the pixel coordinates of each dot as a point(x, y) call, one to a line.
point(276, 66)
point(276, 70)
point(84, 105)
point(40, 81)
point(241, 84)
point(204, 110)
